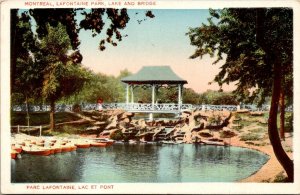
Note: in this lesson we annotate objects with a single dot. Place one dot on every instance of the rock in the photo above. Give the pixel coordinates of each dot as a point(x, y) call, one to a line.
point(204, 122)
point(113, 124)
point(227, 134)
point(205, 133)
point(257, 113)
point(95, 117)
point(92, 128)
point(126, 120)
point(100, 123)
point(226, 129)
point(125, 115)
point(262, 121)
point(198, 127)
point(188, 137)
point(243, 111)
point(215, 140)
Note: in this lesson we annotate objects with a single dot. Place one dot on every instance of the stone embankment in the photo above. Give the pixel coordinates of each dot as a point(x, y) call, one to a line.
point(191, 126)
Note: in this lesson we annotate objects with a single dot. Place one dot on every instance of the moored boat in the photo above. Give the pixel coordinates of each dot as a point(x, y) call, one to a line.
point(168, 142)
point(214, 143)
point(99, 144)
point(51, 150)
point(40, 144)
point(132, 141)
point(68, 148)
point(107, 141)
point(40, 152)
point(57, 150)
point(13, 154)
point(82, 145)
point(18, 149)
point(73, 148)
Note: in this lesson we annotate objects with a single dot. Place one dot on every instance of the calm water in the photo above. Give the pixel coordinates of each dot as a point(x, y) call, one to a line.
point(140, 163)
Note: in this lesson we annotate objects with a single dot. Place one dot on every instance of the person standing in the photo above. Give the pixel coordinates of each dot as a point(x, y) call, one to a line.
point(99, 104)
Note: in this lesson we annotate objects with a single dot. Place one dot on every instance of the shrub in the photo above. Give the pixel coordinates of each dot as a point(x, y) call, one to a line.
point(117, 135)
point(76, 108)
point(205, 134)
point(227, 134)
point(280, 178)
point(250, 137)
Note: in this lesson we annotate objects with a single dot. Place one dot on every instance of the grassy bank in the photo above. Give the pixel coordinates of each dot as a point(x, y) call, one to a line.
point(40, 118)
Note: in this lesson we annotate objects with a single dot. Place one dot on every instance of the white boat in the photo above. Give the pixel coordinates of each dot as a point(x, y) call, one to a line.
point(168, 142)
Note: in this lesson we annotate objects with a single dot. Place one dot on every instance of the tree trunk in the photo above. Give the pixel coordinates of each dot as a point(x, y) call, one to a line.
point(27, 110)
point(280, 154)
point(52, 117)
point(282, 113)
point(13, 58)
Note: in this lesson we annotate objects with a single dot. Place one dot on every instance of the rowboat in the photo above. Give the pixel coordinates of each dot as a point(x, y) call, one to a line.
point(68, 148)
point(168, 142)
point(16, 148)
point(53, 140)
point(82, 145)
point(40, 144)
point(104, 140)
point(57, 150)
point(51, 150)
point(99, 144)
point(13, 154)
point(40, 152)
point(73, 148)
point(214, 143)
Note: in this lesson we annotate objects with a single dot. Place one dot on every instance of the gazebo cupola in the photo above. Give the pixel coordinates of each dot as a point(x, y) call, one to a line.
point(154, 77)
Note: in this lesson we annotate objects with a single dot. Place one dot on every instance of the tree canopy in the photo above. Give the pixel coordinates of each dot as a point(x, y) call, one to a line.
point(258, 47)
point(251, 40)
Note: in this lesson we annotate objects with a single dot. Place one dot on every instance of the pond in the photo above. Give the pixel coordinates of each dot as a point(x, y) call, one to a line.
point(126, 163)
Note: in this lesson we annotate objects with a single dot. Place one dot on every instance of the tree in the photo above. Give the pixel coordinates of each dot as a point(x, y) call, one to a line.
point(258, 46)
point(62, 76)
point(27, 71)
point(190, 96)
point(93, 20)
point(108, 88)
point(218, 98)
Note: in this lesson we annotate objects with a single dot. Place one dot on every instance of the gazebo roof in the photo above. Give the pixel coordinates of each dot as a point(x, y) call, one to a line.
point(154, 75)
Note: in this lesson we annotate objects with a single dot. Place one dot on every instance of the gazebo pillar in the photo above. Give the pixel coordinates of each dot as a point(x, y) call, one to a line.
point(127, 94)
point(132, 98)
point(179, 96)
point(153, 101)
point(153, 95)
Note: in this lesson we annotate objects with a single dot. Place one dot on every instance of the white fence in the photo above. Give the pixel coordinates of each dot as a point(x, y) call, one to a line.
point(139, 107)
point(27, 129)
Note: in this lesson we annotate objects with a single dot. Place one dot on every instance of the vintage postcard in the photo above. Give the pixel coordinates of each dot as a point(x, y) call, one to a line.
point(149, 96)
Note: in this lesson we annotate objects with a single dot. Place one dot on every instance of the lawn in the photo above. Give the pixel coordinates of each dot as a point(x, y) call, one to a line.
point(40, 118)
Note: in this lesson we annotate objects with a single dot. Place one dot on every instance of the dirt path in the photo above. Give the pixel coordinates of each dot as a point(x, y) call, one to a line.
point(272, 168)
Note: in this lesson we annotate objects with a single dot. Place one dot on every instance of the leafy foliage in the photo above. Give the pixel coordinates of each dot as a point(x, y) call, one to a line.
point(218, 98)
point(250, 47)
point(61, 76)
point(258, 46)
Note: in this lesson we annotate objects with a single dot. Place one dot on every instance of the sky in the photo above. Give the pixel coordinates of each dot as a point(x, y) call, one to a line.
point(158, 41)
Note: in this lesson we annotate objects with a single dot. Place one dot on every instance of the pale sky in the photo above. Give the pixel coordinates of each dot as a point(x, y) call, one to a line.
point(157, 41)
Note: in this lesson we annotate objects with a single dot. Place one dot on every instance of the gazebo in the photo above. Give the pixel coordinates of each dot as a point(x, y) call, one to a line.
point(153, 77)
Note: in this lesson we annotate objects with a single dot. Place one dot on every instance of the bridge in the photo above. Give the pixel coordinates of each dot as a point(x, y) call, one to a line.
point(143, 108)
point(154, 78)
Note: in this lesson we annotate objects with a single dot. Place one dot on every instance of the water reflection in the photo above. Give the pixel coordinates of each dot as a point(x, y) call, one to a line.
point(140, 163)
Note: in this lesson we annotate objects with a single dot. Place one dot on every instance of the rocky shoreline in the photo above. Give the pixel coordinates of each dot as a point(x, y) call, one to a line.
point(190, 127)
point(240, 129)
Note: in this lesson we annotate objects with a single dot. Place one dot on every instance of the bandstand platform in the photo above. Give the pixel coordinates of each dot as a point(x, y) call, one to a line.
point(153, 77)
